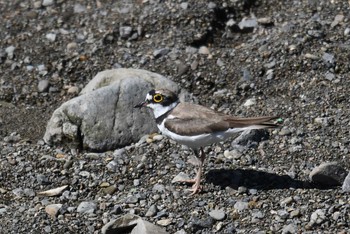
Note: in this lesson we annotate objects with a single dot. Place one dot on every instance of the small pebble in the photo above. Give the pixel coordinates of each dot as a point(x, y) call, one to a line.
point(87, 207)
point(217, 214)
point(53, 209)
point(48, 2)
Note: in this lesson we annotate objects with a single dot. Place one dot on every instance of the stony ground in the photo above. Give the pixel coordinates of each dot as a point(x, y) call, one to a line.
point(245, 57)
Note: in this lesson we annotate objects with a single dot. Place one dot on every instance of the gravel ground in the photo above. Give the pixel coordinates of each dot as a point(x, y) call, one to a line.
point(247, 58)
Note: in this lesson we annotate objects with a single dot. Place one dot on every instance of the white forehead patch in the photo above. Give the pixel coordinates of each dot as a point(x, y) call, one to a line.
point(148, 97)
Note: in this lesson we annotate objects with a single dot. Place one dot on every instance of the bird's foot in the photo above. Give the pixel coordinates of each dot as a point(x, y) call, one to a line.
point(196, 188)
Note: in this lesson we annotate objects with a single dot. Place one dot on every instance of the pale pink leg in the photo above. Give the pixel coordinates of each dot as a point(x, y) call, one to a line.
point(196, 187)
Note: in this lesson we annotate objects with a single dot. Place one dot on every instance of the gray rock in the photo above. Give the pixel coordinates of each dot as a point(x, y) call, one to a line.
point(42, 179)
point(10, 51)
point(289, 229)
point(103, 117)
point(269, 74)
point(18, 192)
point(133, 224)
point(147, 228)
point(152, 211)
point(347, 32)
point(47, 229)
point(3, 210)
point(329, 76)
point(328, 59)
point(125, 32)
point(29, 192)
point(180, 177)
point(131, 200)
point(250, 138)
point(48, 2)
point(87, 207)
point(240, 205)
point(53, 209)
point(161, 52)
point(248, 23)
point(346, 184)
point(258, 214)
point(51, 37)
point(317, 217)
point(246, 74)
point(78, 8)
point(43, 86)
point(217, 214)
point(184, 5)
point(328, 174)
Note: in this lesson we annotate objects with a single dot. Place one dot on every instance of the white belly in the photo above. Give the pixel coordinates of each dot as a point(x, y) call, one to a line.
point(195, 142)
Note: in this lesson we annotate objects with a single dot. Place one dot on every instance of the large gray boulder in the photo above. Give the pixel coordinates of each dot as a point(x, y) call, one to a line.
point(102, 117)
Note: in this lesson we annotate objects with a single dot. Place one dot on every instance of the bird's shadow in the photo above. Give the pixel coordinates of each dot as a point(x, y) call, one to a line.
point(253, 179)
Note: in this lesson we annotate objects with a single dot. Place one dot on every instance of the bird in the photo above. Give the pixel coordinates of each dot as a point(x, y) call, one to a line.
point(197, 126)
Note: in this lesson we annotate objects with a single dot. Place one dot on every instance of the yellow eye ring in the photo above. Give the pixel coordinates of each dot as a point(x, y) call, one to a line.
point(157, 97)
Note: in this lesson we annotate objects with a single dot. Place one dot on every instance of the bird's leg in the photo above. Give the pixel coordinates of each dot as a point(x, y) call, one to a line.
point(196, 181)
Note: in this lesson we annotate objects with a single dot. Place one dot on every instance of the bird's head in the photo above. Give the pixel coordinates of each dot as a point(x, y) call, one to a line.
point(159, 101)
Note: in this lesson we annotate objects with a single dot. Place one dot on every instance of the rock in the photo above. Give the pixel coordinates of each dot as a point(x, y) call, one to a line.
point(125, 32)
point(51, 37)
point(29, 192)
point(48, 2)
point(42, 179)
point(337, 19)
point(265, 21)
point(110, 189)
point(161, 52)
point(329, 76)
point(164, 222)
point(184, 5)
point(240, 205)
point(152, 211)
point(10, 51)
point(246, 74)
point(202, 223)
point(53, 209)
point(347, 32)
point(132, 200)
point(133, 224)
point(269, 74)
point(103, 117)
point(3, 210)
point(232, 154)
point(346, 184)
point(53, 192)
point(203, 50)
point(248, 23)
point(249, 102)
point(328, 59)
point(289, 229)
point(78, 8)
point(250, 138)
point(18, 192)
point(317, 217)
point(43, 86)
point(180, 177)
point(87, 207)
point(328, 174)
point(73, 90)
point(72, 46)
point(217, 214)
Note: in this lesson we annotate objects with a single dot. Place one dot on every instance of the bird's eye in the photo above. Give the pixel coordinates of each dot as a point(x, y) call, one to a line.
point(157, 97)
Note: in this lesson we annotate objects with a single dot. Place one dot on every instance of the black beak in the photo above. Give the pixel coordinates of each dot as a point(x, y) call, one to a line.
point(140, 105)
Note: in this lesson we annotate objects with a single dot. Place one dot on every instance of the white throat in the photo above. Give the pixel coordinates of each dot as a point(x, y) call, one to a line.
point(159, 110)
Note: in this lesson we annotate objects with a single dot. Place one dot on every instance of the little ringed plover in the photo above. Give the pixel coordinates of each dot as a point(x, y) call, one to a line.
point(197, 126)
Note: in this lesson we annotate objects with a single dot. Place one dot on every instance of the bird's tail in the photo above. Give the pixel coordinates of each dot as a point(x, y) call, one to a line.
point(254, 122)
